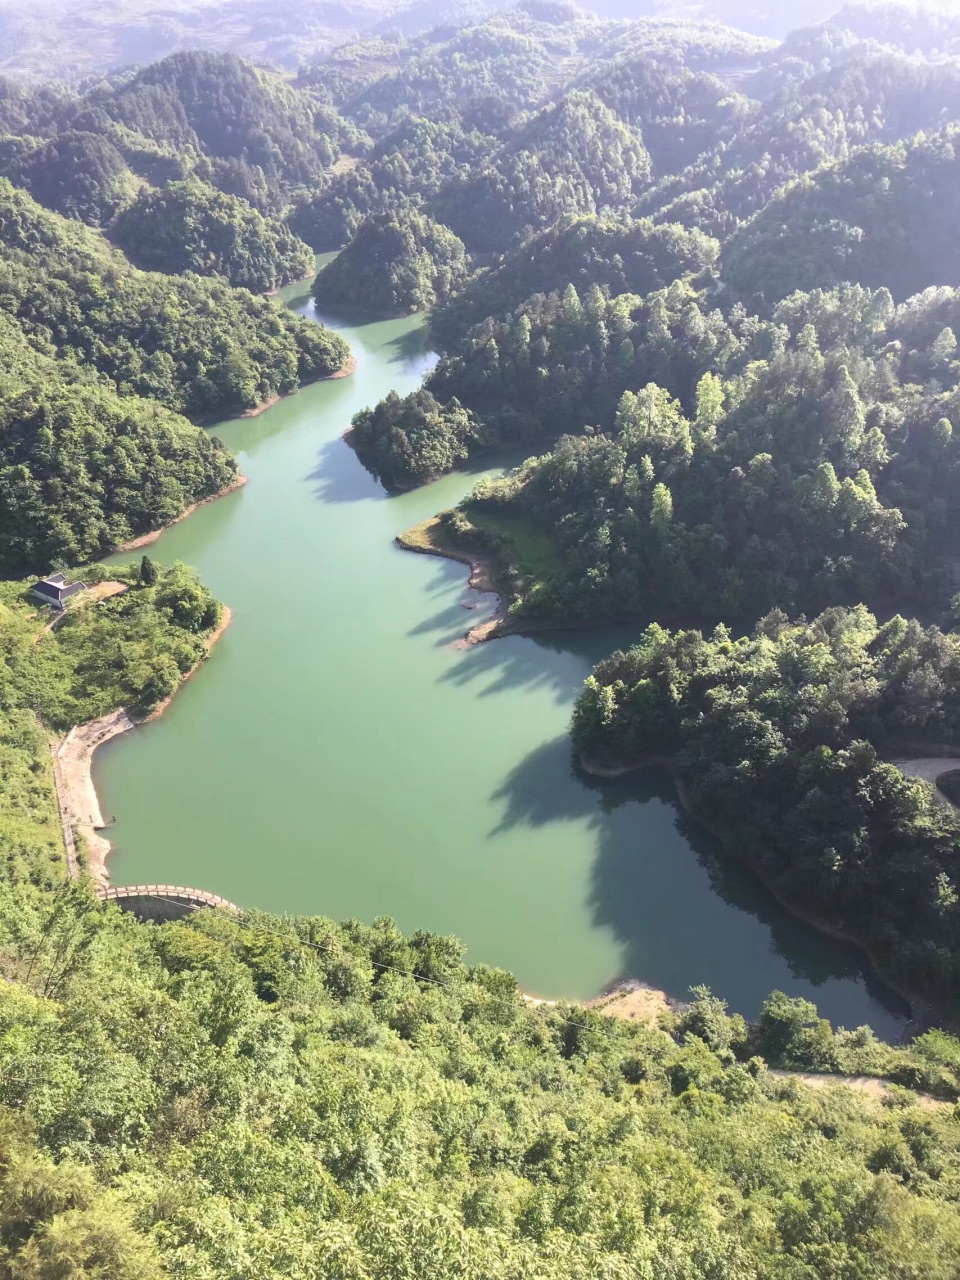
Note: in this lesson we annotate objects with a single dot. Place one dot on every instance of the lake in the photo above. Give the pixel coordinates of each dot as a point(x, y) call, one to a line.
point(340, 756)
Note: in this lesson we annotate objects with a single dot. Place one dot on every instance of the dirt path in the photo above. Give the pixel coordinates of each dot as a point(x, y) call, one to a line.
point(79, 803)
point(871, 1086)
point(929, 768)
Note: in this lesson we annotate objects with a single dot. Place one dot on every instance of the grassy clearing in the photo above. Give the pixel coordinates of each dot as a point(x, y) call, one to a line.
point(521, 540)
point(517, 550)
point(431, 535)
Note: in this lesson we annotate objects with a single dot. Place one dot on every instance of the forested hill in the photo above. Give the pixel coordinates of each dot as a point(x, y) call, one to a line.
point(707, 276)
point(197, 346)
point(215, 118)
point(895, 230)
point(104, 364)
point(395, 263)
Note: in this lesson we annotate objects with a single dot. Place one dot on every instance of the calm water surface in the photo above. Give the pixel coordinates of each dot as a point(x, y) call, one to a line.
point(339, 756)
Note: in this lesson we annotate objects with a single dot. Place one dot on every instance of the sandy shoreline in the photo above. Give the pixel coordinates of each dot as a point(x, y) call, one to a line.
point(482, 579)
point(79, 803)
point(348, 370)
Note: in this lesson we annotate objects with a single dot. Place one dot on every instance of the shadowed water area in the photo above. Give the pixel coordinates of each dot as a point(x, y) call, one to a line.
point(339, 756)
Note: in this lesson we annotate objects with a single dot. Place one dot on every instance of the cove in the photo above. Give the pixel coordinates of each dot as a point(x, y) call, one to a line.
point(339, 756)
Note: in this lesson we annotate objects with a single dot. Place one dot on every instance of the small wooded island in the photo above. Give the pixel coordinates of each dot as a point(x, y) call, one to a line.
point(708, 281)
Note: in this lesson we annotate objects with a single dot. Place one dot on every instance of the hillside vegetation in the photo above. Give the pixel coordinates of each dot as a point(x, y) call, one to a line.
point(395, 263)
point(708, 280)
point(83, 469)
point(189, 228)
point(197, 346)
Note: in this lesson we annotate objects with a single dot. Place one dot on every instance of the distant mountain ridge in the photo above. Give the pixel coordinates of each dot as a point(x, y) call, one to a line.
point(78, 39)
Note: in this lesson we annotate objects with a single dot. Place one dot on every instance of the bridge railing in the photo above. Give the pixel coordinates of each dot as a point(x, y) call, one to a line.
point(163, 901)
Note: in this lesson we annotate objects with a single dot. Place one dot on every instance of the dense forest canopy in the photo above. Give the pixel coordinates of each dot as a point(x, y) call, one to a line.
point(82, 468)
point(808, 460)
point(575, 157)
point(190, 227)
point(236, 116)
point(196, 346)
point(395, 263)
point(880, 218)
point(618, 254)
point(704, 271)
point(814, 119)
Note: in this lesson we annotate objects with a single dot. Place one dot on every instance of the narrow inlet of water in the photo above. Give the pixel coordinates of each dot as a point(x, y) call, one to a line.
point(339, 756)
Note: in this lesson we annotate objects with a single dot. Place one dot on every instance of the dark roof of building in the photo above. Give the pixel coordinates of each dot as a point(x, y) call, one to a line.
point(57, 585)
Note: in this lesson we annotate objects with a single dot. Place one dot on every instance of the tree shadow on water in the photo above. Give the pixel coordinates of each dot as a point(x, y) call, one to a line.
point(450, 622)
point(447, 577)
point(412, 349)
point(544, 788)
point(301, 302)
point(681, 911)
point(687, 913)
point(339, 476)
point(513, 663)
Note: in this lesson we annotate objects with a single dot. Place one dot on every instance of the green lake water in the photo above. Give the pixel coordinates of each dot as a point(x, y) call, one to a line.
point(339, 756)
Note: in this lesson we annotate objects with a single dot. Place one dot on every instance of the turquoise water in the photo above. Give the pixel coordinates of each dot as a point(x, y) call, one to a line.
point(339, 755)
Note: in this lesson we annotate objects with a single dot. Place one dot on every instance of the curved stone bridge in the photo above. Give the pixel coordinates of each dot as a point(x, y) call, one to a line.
point(162, 901)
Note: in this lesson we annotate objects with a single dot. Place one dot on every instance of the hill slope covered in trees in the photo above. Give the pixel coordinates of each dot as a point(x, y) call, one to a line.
point(395, 263)
point(712, 287)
